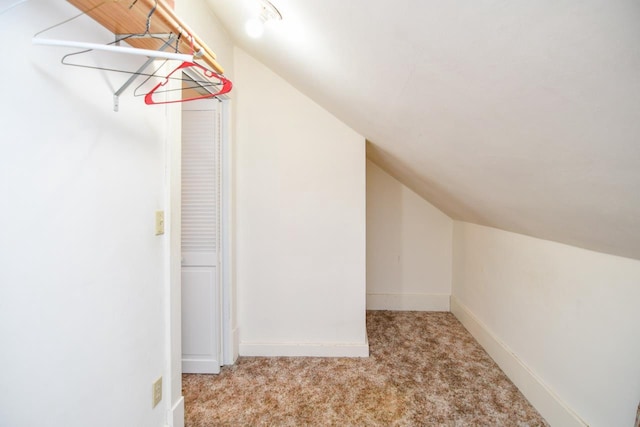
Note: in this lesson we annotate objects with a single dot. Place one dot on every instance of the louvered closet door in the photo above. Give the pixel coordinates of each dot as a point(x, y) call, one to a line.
point(201, 308)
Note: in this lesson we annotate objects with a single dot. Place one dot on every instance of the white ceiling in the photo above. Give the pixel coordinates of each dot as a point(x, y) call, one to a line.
point(521, 115)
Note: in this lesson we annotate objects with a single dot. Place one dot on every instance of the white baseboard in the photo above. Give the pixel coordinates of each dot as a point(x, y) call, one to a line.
point(231, 350)
point(177, 413)
point(408, 302)
point(304, 349)
point(206, 366)
point(550, 406)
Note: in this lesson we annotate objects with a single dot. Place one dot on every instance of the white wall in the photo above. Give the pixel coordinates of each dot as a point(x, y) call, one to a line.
point(82, 291)
point(569, 316)
point(409, 247)
point(300, 222)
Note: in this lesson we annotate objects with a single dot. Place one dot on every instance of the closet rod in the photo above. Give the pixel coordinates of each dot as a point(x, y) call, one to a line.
point(119, 49)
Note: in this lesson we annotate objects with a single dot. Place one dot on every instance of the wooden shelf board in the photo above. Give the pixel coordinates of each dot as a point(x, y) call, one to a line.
point(130, 17)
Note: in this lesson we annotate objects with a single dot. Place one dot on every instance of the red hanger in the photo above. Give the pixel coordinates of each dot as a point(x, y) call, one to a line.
point(225, 84)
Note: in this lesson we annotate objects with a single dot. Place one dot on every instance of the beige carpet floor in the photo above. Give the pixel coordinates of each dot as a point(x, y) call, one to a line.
point(424, 370)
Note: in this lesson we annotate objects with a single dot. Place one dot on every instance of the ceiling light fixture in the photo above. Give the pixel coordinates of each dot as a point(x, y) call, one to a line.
point(268, 12)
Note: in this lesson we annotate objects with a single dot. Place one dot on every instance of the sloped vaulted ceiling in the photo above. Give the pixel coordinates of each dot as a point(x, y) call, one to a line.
point(521, 115)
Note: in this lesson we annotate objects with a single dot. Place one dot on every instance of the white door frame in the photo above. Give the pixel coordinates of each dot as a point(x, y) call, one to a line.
point(228, 342)
point(229, 330)
point(173, 174)
point(201, 269)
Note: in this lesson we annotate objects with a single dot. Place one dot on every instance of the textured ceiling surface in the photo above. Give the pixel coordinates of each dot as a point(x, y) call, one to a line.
point(524, 116)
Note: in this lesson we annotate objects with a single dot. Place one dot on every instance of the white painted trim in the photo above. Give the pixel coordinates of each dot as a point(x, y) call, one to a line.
point(541, 396)
point(172, 378)
point(305, 349)
point(177, 413)
point(408, 302)
point(229, 342)
point(194, 366)
point(236, 344)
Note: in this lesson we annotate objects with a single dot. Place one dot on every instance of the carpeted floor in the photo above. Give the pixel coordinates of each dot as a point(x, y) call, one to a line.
point(424, 370)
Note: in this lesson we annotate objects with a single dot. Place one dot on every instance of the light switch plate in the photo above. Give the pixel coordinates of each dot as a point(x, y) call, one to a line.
point(159, 223)
point(157, 392)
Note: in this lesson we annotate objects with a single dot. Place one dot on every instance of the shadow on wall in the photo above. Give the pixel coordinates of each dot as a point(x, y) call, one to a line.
point(384, 232)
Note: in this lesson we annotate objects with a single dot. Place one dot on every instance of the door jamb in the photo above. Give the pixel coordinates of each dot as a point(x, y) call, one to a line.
point(229, 343)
